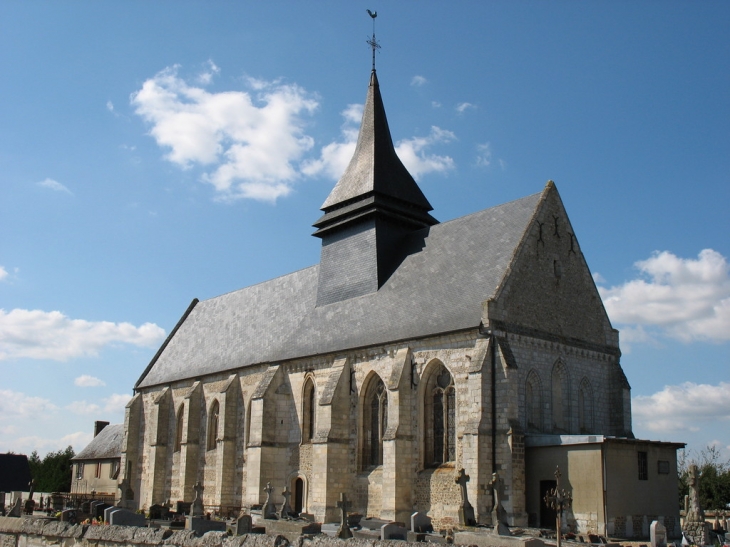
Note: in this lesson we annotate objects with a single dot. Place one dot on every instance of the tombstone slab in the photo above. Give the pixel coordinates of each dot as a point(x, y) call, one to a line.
point(658, 534)
point(291, 529)
point(125, 517)
point(70, 516)
point(421, 523)
point(108, 512)
point(200, 526)
point(492, 540)
point(241, 525)
point(393, 530)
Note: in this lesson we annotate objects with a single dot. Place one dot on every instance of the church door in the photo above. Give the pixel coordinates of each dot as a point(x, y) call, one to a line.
point(547, 514)
point(298, 495)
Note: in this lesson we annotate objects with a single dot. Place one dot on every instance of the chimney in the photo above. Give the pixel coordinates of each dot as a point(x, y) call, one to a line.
point(98, 426)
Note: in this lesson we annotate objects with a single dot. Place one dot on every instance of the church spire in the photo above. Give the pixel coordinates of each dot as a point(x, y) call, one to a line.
point(373, 206)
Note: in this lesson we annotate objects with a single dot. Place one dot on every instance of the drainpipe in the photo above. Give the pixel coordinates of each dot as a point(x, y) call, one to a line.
point(603, 486)
point(493, 343)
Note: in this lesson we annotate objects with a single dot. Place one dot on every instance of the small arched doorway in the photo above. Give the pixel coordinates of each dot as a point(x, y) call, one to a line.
point(298, 495)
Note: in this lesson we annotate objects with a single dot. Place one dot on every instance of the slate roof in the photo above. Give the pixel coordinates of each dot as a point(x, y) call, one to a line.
point(450, 270)
point(14, 473)
point(107, 444)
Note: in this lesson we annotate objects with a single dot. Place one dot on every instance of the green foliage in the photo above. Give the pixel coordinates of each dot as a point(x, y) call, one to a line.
point(714, 477)
point(53, 472)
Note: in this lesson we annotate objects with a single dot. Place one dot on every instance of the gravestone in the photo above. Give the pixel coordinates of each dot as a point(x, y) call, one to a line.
point(466, 511)
point(343, 532)
point(268, 510)
point(241, 525)
point(421, 523)
point(658, 534)
point(125, 517)
point(197, 507)
point(98, 510)
point(16, 511)
point(201, 526)
point(285, 510)
point(183, 507)
point(159, 512)
point(108, 512)
point(69, 515)
point(393, 530)
point(499, 515)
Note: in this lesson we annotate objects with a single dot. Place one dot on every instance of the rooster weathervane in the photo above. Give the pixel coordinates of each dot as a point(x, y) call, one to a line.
point(372, 42)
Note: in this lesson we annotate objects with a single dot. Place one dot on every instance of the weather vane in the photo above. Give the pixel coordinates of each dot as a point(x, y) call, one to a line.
point(373, 43)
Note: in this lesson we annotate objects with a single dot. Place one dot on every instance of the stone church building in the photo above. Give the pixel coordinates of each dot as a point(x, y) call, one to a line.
point(414, 349)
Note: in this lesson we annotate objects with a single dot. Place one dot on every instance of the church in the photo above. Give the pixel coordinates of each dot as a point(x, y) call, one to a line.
point(415, 349)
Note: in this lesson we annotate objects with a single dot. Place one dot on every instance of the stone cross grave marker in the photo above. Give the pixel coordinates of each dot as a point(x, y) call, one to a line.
point(343, 532)
point(499, 515)
point(658, 534)
point(197, 508)
point(285, 507)
point(268, 510)
point(466, 511)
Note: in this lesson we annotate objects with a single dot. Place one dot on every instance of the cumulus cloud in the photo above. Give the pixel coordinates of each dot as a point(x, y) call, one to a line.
point(211, 70)
point(683, 298)
point(37, 334)
point(14, 404)
point(463, 107)
point(113, 404)
point(418, 81)
point(25, 445)
point(249, 142)
point(685, 407)
point(3, 273)
point(110, 106)
point(413, 152)
point(54, 185)
point(88, 381)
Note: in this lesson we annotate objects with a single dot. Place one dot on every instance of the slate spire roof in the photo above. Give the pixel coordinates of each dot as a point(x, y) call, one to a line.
point(375, 179)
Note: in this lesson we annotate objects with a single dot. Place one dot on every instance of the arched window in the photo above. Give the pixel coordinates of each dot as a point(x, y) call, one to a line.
point(375, 422)
point(560, 402)
point(533, 403)
point(179, 427)
point(440, 417)
point(585, 406)
point(213, 425)
point(308, 411)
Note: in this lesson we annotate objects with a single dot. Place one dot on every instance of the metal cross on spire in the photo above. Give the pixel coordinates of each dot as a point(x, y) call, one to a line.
point(372, 42)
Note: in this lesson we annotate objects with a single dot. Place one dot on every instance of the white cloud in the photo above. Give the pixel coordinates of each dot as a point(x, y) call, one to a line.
point(463, 107)
point(435, 104)
point(83, 408)
point(3, 273)
point(110, 106)
point(682, 298)
point(14, 404)
point(37, 334)
point(685, 407)
point(25, 445)
point(484, 154)
point(116, 402)
point(88, 381)
point(412, 153)
point(54, 185)
point(418, 81)
point(250, 144)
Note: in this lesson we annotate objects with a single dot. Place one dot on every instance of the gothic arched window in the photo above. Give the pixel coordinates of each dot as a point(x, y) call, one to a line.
point(533, 403)
point(179, 427)
point(560, 402)
point(213, 425)
point(375, 422)
point(585, 406)
point(308, 411)
point(440, 417)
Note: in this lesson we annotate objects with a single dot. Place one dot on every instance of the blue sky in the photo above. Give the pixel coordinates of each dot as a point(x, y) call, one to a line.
point(156, 152)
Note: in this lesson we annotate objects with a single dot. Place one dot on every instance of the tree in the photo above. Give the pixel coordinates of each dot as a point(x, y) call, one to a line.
point(714, 477)
point(53, 473)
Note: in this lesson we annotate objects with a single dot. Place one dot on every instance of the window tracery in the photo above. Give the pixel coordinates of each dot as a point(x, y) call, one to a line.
point(213, 425)
point(440, 417)
point(375, 423)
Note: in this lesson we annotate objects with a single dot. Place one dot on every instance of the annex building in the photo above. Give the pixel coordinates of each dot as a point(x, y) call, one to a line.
point(414, 349)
